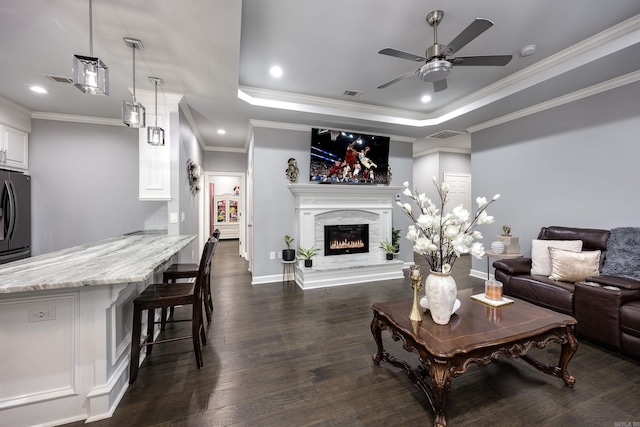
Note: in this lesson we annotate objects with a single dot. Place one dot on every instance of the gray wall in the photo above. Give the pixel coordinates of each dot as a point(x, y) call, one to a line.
point(221, 161)
point(84, 184)
point(189, 204)
point(274, 205)
point(573, 165)
point(437, 164)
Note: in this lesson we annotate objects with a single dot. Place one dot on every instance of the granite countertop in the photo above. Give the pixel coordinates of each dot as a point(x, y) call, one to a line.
point(122, 259)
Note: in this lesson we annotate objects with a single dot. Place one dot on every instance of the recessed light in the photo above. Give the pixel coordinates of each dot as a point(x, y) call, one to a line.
point(425, 99)
point(222, 131)
point(38, 89)
point(276, 71)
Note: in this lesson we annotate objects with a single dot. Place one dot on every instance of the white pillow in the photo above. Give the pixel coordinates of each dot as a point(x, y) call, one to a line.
point(540, 259)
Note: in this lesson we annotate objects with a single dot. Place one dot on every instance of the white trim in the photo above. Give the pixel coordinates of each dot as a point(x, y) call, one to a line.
point(606, 42)
point(442, 150)
point(43, 115)
point(565, 99)
point(307, 128)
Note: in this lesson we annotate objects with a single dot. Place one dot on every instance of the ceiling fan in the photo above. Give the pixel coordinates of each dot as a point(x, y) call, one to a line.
point(437, 64)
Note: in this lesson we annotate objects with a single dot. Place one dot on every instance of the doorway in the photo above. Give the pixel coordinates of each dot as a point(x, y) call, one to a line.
point(225, 197)
point(459, 189)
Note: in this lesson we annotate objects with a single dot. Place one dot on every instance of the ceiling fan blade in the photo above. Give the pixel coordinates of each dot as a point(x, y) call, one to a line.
point(440, 85)
point(496, 60)
point(397, 79)
point(403, 55)
point(477, 27)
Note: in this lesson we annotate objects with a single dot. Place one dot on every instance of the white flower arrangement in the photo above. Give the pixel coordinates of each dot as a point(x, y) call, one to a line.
point(440, 238)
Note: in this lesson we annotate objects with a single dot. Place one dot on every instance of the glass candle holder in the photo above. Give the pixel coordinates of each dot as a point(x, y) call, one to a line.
point(493, 290)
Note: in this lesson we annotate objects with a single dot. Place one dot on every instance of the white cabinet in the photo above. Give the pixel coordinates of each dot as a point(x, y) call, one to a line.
point(154, 165)
point(226, 215)
point(14, 149)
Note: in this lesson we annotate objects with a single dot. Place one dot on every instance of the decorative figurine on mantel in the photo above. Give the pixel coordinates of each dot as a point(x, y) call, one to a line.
point(292, 170)
point(389, 176)
point(506, 230)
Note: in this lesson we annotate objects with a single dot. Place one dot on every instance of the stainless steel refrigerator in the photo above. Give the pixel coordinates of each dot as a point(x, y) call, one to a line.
point(15, 216)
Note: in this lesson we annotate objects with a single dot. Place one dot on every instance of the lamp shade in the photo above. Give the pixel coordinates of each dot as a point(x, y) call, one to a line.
point(133, 114)
point(90, 75)
point(155, 135)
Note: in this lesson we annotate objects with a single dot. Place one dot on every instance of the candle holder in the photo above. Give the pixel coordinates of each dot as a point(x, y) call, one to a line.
point(416, 310)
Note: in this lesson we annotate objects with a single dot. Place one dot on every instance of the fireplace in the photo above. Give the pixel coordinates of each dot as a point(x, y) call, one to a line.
point(368, 207)
point(346, 239)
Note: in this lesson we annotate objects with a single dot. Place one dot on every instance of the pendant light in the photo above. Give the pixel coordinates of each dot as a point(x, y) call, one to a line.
point(155, 134)
point(90, 74)
point(133, 113)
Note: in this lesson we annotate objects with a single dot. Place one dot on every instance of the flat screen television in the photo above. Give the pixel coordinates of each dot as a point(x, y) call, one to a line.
point(348, 157)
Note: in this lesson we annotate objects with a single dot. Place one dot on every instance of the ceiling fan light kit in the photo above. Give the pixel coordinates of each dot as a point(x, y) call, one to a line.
point(133, 113)
point(437, 65)
point(90, 74)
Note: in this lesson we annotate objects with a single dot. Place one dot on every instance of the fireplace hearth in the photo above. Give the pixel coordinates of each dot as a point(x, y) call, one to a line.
point(346, 239)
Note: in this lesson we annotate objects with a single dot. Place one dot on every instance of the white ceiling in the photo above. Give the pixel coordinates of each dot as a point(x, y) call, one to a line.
point(206, 50)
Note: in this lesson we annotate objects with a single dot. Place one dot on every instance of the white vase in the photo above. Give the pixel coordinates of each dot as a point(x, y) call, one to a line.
point(441, 291)
point(497, 247)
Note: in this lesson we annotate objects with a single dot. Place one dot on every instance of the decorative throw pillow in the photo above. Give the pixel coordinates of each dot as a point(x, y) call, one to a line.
point(569, 266)
point(540, 260)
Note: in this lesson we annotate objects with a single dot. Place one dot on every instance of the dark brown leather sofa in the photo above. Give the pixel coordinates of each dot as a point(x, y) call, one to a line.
point(607, 308)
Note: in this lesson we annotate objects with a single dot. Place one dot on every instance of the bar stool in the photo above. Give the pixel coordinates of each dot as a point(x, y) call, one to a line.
point(189, 271)
point(165, 295)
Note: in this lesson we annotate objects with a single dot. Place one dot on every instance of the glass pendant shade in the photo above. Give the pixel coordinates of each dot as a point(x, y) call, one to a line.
point(90, 75)
point(155, 135)
point(133, 114)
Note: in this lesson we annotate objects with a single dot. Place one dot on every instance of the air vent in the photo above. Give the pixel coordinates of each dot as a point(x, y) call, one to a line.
point(445, 134)
point(59, 79)
point(353, 93)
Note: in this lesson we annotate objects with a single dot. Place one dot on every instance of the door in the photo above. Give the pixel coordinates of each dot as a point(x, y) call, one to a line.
point(4, 213)
point(21, 231)
point(459, 190)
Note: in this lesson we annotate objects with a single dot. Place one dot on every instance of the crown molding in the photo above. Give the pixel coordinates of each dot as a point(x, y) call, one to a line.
point(442, 150)
point(43, 115)
point(565, 99)
point(602, 44)
point(307, 128)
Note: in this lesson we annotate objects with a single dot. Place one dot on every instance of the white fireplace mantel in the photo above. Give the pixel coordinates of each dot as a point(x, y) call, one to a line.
point(318, 205)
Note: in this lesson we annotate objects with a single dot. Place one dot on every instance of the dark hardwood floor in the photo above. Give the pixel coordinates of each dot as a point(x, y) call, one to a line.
point(278, 356)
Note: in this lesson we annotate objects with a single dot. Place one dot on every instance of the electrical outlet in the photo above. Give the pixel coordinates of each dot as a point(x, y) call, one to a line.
point(279, 254)
point(42, 314)
point(272, 255)
point(182, 216)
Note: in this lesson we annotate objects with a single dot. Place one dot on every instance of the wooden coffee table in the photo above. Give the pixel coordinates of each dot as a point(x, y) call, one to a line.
point(476, 334)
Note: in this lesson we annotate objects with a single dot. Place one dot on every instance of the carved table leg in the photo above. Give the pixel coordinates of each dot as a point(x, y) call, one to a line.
point(569, 348)
point(377, 335)
point(441, 386)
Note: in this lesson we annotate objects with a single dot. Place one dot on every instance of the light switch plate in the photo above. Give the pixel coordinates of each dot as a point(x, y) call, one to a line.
point(173, 217)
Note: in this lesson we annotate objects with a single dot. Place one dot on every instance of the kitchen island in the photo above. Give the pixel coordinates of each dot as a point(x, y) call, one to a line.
point(65, 327)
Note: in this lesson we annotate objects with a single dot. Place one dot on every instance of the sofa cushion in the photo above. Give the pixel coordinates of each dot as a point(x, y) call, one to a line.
point(570, 266)
point(540, 258)
point(539, 290)
point(630, 318)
